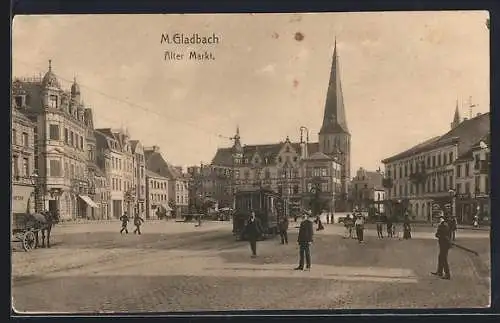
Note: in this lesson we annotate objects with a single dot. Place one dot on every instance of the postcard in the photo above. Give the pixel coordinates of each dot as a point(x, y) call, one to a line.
point(227, 162)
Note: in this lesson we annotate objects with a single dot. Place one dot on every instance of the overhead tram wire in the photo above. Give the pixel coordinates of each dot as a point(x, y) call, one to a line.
point(131, 104)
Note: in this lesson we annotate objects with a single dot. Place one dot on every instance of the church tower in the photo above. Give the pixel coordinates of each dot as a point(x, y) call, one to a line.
point(456, 118)
point(334, 136)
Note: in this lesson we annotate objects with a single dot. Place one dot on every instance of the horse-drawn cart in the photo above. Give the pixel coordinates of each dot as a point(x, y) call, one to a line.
point(25, 229)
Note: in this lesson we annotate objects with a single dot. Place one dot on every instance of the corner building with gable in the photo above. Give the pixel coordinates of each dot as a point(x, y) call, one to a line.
point(290, 168)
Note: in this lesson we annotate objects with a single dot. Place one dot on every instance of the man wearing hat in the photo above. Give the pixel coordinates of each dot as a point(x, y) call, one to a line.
point(443, 235)
point(305, 238)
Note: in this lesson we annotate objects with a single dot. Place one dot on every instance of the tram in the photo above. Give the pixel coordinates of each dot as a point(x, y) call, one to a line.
point(268, 208)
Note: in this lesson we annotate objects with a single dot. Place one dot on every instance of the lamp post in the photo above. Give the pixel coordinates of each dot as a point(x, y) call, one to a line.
point(34, 181)
point(452, 197)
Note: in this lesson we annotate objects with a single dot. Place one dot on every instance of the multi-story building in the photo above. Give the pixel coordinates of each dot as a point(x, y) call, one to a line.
point(472, 188)
point(109, 159)
point(140, 174)
point(157, 193)
point(22, 159)
point(178, 190)
point(423, 177)
point(60, 150)
point(278, 166)
point(367, 189)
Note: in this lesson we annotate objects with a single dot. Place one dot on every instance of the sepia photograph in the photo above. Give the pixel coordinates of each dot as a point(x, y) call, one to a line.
point(171, 163)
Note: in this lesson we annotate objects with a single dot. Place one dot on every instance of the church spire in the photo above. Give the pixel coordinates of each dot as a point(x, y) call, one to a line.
point(334, 119)
point(456, 117)
point(237, 148)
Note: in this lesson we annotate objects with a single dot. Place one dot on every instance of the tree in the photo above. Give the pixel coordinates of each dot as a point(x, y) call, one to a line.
point(173, 206)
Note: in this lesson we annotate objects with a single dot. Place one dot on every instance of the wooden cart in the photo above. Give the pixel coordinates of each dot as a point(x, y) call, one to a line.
point(24, 229)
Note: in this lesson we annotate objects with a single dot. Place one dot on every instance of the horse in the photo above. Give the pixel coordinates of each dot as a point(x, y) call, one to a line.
point(44, 222)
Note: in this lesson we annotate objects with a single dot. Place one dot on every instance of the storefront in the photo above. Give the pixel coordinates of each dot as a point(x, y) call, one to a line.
point(469, 206)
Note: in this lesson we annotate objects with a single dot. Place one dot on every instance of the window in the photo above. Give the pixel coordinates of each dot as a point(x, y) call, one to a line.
point(19, 100)
point(486, 186)
point(26, 170)
point(444, 159)
point(66, 136)
point(459, 170)
point(438, 160)
point(477, 184)
point(54, 132)
point(451, 157)
point(14, 137)
point(467, 169)
point(445, 184)
point(467, 188)
point(53, 102)
point(55, 168)
point(324, 187)
point(324, 172)
point(15, 166)
point(81, 142)
point(459, 188)
point(25, 139)
point(433, 161)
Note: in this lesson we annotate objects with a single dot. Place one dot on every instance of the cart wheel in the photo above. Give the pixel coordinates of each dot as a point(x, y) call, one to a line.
point(29, 241)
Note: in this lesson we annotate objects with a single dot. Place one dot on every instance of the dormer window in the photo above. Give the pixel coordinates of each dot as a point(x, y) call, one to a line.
point(53, 102)
point(19, 100)
point(287, 149)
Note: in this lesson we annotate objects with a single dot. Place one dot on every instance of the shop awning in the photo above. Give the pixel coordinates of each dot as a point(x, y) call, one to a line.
point(88, 200)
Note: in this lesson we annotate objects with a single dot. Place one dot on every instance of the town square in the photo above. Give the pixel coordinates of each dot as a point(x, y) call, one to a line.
point(311, 161)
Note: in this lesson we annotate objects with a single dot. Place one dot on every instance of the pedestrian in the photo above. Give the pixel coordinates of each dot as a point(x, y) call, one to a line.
point(453, 228)
point(443, 235)
point(380, 223)
point(475, 221)
point(252, 231)
point(406, 228)
point(137, 222)
point(389, 227)
point(283, 227)
point(124, 218)
point(348, 226)
point(360, 224)
point(320, 224)
point(304, 239)
point(328, 218)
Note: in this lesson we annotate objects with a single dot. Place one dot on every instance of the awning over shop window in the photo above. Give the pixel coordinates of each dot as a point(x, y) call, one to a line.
point(88, 200)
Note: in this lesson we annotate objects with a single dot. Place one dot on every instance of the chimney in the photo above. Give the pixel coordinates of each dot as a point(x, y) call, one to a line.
point(478, 114)
point(465, 119)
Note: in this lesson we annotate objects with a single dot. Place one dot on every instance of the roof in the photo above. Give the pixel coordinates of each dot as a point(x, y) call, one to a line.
point(467, 133)
point(156, 163)
point(319, 156)
point(153, 174)
point(468, 155)
point(223, 156)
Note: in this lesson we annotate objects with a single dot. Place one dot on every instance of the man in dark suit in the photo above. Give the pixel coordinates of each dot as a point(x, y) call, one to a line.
point(304, 240)
point(443, 235)
point(253, 230)
point(283, 227)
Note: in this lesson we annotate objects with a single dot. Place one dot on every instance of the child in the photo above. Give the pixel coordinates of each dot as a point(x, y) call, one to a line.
point(124, 218)
point(137, 222)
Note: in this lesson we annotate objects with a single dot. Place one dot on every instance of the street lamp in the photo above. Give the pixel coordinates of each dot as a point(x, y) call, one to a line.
point(453, 197)
point(34, 181)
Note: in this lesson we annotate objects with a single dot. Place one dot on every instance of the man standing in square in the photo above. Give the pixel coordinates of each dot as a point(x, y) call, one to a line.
point(304, 240)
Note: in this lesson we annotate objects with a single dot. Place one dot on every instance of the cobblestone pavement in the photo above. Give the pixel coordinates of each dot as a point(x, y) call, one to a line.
point(178, 267)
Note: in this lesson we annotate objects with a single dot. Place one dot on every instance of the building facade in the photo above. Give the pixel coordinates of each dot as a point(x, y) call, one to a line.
point(109, 158)
point(140, 175)
point(472, 173)
point(367, 189)
point(157, 193)
point(22, 160)
point(178, 187)
point(280, 166)
point(422, 179)
point(60, 150)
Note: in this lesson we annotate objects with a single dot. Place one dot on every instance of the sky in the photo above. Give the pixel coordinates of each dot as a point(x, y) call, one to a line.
point(402, 74)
